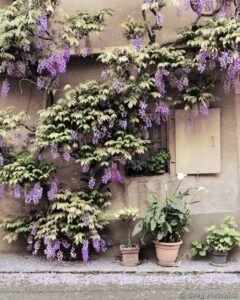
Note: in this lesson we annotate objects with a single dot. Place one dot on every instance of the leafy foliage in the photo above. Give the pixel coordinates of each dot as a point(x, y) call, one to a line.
point(72, 218)
point(220, 240)
point(24, 170)
point(155, 163)
point(166, 220)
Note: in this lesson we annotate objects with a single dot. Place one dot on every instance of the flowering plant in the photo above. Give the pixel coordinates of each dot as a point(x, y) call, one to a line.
point(100, 125)
point(128, 215)
point(167, 219)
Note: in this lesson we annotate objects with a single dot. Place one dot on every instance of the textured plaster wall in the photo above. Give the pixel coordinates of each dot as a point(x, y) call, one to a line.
point(223, 189)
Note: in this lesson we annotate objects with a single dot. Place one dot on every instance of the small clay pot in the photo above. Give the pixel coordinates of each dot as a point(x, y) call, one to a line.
point(218, 258)
point(130, 255)
point(167, 253)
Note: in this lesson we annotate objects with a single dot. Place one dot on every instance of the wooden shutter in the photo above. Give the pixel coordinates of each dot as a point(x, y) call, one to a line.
point(198, 150)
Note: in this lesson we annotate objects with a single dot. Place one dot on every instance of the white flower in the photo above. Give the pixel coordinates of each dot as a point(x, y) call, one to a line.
point(181, 176)
point(202, 188)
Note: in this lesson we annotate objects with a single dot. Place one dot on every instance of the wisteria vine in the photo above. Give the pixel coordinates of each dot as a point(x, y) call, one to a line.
point(101, 125)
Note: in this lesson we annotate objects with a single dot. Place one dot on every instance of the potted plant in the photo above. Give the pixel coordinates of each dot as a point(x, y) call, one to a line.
point(157, 163)
point(167, 220)
point(219, 241)
point(129, 251)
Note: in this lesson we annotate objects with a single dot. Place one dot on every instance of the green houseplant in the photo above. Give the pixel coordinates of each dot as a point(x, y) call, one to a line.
point(167, 220)
point(219, 241)
point(129, 251)
point(158, 162)
point(155, 164)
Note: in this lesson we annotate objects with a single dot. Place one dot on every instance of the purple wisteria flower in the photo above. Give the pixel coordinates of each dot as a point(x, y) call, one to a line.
point(97, 244)
point(66, 156)
point(96, 137)
point(85, 169)
point(85, 251)
point(111, 124)
point(117, 86)
point(43, 22)
point(137, 44)
point(179, 83)
point(142, 109)
point(54, 151)
point(49, 251)
point(208, 5)
point(162, 110)
point(34, 228)
point(26, 48)
point(92, 183)
point(53, 190)
point(159, 19)
point(74, 135)
point(122, 161)
point(18, 191)
point(225, 59)
point(3, 191)
point(160, 84)
point(197, 6)
point(60, 255)
point(2, 143)
point(42, 82)
point(55, 64)
point(115, 174)
point(204, 111)
point(203, 56)
point(66, 54)
point(124, 124)
point(5, 88)
point(237, 65)
point(107, 176)
point(34, 195)
point(148, 123)
point(86, 218)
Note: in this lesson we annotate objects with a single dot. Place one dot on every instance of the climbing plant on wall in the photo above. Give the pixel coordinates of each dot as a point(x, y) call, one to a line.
point(100, 125)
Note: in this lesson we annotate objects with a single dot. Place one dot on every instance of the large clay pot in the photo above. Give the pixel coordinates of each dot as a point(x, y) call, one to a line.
point(130, 255)
point(167, 252)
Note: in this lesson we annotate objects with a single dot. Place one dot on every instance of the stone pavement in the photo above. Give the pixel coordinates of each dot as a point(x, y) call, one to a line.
point(29, 264)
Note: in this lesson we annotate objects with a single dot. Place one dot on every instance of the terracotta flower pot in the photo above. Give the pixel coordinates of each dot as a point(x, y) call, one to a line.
point(130, 255)
point(167, 252)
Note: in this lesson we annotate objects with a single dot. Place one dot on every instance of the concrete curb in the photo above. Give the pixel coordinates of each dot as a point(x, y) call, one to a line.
point(16, 264)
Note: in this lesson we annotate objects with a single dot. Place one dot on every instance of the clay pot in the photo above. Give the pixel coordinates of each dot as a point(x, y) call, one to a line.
point(130, 255)
point(167, 252)
point(219, 258)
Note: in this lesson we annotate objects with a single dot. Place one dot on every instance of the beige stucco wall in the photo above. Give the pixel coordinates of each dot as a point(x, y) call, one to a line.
point(223, 189)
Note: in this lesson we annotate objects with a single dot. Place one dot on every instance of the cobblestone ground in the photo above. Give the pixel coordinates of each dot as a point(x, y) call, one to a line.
point(51, 286)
